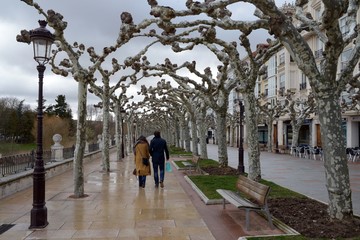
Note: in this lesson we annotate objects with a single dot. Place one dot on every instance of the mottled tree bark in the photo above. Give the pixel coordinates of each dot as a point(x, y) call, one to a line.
point(80, 141)
point(335, 161)
point(221, 136)
point(254, 172)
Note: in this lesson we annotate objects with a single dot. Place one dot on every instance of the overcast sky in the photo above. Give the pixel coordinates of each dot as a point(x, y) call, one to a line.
point(91, 22)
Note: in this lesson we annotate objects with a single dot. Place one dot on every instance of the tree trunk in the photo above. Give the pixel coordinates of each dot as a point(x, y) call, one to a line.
point(187, 136)
point(117, 131)
point(80, 141)
point(335, 162)
point(254, 172)
point(295, 136)
point(202, 128)
point(270, 134)
point(221, 137)
point(194, 142)
point(106, 113)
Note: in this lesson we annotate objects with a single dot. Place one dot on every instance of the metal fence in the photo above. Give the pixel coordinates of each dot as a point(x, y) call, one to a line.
point(19, 163)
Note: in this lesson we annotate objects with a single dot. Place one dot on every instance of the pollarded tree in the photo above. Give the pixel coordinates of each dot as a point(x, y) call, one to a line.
point(270, 112)
point(245, 71)
point(299, 109)
point(153, 100)
point(194, 106)
point(326, 83)
point(83, 75)
point(213, 91)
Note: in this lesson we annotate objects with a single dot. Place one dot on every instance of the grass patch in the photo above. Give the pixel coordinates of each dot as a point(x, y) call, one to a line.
point(209, 183)
point(202, 163)
point(7, 149)
point(178, 151)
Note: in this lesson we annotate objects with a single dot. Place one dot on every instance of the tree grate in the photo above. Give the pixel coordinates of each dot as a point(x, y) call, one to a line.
point(5, 227)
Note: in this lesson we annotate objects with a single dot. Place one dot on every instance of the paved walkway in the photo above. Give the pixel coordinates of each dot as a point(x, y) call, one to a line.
point(306, 176)
point(117, 209)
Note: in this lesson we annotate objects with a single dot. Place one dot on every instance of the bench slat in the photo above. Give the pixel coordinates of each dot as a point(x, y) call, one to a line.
point(236, 200)
point(253, 190)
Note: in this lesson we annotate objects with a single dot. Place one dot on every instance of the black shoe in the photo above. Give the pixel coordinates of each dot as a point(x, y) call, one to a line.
point(156, 185)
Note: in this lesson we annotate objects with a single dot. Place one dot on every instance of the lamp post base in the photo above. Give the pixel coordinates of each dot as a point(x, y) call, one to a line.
point(241, 169)
point(38, 218)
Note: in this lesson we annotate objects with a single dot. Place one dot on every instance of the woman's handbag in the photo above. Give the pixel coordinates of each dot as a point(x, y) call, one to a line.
point(134, 171)
point(168, 167)
point(145, 161)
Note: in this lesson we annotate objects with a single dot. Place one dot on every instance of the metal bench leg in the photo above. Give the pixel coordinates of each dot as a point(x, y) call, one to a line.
point(247, 216)
point(223, 203)
point(268, 215)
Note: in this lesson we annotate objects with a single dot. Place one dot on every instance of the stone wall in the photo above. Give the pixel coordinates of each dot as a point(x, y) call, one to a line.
point(17, 182)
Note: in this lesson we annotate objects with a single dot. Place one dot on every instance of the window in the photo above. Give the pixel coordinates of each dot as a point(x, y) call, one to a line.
point(319, 48)
point(345, 55)
point(272, 86)
point(318, 13)
point(266, 91)
point(282, 58)
point(303, 82)
point(344, 27)
point(272, 66)
point(282, 84)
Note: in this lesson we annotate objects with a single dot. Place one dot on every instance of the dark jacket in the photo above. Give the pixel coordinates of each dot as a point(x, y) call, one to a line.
point(158, 147)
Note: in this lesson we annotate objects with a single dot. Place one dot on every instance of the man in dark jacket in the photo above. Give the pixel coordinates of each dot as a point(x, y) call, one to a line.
point(158, 152)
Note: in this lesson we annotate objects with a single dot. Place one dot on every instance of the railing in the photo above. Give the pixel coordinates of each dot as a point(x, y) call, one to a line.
point(16, 164)
point(19, 163)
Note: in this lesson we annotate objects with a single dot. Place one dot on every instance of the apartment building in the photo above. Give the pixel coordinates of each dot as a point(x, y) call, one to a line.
point(283, 75)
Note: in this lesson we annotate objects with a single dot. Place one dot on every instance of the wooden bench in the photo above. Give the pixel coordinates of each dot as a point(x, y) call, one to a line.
point(255, 197)
point(194, 164)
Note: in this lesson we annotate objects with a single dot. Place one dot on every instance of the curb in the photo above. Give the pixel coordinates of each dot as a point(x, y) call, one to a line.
point(288, 231)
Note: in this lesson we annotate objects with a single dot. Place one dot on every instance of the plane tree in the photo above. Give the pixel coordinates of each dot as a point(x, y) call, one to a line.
point(156, 98)
point(195, 108)
point(326, 83)
point(298, 110)
point(82, 74)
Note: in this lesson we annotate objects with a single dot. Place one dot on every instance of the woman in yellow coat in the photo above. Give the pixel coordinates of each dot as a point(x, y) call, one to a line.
point(141, 152)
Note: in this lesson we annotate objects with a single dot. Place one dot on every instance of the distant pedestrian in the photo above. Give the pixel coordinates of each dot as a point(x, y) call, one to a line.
point(141, 153)
point(158, 151)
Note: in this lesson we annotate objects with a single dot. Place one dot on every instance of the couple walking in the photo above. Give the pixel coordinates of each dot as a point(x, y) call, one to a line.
point(158, 150)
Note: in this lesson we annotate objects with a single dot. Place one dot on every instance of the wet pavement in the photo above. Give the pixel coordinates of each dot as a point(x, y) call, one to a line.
point(302, 175)
point(116, 208)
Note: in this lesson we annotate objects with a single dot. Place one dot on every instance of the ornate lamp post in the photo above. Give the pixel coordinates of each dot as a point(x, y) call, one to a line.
point(42, 40)
point(241, 168)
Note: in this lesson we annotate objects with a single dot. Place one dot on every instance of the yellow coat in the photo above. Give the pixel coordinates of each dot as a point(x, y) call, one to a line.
point(142, 151)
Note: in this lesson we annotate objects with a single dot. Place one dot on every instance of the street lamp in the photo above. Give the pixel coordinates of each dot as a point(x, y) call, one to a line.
point(241, 168)
point(42, 40)
point(122, 112)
